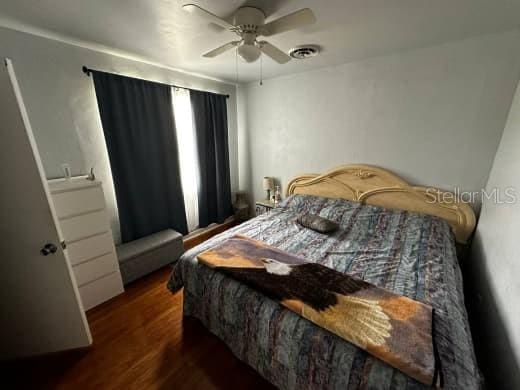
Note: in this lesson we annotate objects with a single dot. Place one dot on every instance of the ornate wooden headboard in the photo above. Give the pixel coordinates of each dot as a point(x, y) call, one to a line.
point(377, 186)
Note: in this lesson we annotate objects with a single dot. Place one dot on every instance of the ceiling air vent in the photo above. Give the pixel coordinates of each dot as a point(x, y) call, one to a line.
point(304, 51)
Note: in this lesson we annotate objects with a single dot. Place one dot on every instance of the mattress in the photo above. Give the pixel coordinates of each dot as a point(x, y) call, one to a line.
point(408, 253)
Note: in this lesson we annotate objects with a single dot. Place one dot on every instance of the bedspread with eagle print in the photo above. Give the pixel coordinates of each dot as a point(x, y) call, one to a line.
point(412, 255)
point(393, 328)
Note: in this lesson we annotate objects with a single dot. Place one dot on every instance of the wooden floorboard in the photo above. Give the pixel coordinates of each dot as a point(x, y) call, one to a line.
point(141, 341)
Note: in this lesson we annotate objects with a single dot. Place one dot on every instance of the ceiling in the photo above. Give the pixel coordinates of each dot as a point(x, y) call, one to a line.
point(347, 30)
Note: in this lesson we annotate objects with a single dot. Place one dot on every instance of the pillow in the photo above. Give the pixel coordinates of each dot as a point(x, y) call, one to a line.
point(317, 223)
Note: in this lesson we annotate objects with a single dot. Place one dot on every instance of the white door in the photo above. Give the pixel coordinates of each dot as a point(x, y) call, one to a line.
point(41, 311)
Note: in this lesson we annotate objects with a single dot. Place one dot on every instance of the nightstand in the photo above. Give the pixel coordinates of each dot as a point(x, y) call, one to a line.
point(263, 206)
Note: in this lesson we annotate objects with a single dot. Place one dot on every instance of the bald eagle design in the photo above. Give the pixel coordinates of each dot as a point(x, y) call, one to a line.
point(396, 329)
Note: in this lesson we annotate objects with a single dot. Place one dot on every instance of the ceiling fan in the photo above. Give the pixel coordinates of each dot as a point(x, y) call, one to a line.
point(249, 24)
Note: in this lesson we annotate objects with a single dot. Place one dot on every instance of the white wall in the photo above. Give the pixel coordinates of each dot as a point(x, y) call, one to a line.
point(496, 258)
point(433, 115)
point(62, 105)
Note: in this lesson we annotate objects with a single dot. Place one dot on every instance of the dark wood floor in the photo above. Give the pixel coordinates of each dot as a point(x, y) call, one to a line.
point(141, 341)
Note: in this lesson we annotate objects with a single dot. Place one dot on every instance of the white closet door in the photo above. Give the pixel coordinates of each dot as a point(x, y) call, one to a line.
point(40, 307)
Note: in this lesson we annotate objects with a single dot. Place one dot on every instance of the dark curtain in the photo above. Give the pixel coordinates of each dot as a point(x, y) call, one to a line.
point(138, 123)
point(214, 184)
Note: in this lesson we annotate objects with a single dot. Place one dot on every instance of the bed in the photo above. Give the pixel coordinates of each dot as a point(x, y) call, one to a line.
point(394, 235)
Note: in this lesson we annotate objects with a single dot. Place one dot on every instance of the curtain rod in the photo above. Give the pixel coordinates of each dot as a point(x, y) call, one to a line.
point(88, 71)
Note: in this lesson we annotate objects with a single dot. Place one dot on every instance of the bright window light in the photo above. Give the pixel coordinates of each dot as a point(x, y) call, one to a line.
point(187, 154)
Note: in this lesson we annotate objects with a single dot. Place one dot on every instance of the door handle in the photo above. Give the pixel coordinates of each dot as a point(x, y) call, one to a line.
point(48, 249)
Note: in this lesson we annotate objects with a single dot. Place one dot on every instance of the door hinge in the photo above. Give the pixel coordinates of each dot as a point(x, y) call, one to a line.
point(63, 245)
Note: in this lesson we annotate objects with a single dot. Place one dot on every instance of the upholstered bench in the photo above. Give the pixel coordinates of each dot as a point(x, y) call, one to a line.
point(140, 257)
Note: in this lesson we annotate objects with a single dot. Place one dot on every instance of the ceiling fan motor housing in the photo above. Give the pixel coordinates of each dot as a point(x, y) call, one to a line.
point(248, 19)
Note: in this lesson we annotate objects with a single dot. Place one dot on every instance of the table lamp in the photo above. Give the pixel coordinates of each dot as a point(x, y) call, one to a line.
point(268, 184)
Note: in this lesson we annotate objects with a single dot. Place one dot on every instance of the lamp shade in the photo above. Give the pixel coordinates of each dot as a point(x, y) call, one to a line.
point(268, 183)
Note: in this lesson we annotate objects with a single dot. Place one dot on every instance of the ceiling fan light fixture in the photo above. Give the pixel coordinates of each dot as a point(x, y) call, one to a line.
point(249, 53)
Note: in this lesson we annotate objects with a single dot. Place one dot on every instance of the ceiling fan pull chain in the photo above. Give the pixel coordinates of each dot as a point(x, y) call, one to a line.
point(261, 76)
point(236, 65)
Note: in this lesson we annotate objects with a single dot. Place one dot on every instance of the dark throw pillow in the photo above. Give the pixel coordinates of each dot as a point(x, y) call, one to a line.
point(317, 223)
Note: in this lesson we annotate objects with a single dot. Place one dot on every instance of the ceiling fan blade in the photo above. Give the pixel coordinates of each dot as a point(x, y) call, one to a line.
point(292, 21)
point(221, 49)
point(201, 12)
point(273, 52)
